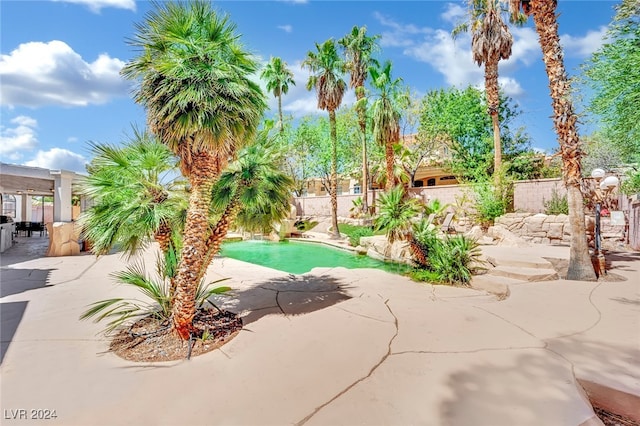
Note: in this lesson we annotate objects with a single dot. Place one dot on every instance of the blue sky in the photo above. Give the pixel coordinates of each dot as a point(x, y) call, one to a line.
point(60, 62)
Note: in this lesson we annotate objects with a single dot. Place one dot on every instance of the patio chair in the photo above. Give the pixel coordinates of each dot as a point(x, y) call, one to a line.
point(37, 227)
point(430, 218)
point(447, 226)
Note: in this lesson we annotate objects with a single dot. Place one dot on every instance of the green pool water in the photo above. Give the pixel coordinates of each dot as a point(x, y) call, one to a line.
point(298, 257)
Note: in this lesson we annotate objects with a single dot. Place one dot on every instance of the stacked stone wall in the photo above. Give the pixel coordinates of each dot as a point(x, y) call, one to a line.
point(554, 229)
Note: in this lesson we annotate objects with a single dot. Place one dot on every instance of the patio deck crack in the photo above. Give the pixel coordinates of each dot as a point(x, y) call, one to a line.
point(361, 379)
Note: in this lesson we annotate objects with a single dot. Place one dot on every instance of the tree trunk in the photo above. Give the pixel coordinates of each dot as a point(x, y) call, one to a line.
point(203, 173)
point(388, 156)
point(219, 232)
point(163, 236)
point(492, 90)
point(362, 121)
point(418, 252)
point(564, 120)
point(280, 114)
point(333, 181)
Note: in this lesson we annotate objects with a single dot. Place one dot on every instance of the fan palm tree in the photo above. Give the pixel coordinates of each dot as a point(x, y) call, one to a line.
point(386, 115)
point(278, 78)
point(491, 41)
point(194, 83)
point(358, 48)
point(395, 214)
point(326, 69)
point(565, 123)
point(252, 193)
point(133, 203)
point(136, 195)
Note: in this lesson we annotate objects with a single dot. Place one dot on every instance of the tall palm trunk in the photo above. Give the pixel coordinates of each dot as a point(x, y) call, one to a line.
point(362, 122)
point(280, 113)
point(564, 120)
point(204, 169)
point(493, 101)
point(333, 181)
point(389, 160)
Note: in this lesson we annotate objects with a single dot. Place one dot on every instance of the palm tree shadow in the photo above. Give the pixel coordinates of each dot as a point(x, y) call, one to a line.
point(287, 296)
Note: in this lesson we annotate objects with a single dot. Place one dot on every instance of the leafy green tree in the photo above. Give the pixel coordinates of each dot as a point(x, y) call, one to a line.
point(326, 69)
point(457, 118)
point(600, 153)
point(359, 48)
point(194, 82)
point(491, 41)
point(411, 156)
point(278, 78)
point(613, 73)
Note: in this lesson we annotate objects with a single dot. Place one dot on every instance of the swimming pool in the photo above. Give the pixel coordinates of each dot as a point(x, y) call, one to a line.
point(299, 257)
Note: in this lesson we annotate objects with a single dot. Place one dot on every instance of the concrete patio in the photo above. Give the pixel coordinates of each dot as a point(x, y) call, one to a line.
point(331, 347)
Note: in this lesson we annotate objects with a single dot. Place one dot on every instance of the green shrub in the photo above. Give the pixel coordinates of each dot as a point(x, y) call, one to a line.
point(450, 261)
point(557, 204)
point(354, 232)
point(354, 236)
point(631, 183)
point(454, 259)
point(425, 275)
point(489, 205)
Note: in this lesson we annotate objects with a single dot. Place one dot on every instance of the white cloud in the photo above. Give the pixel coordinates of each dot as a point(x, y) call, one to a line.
point(97, 5)
point(295, 1)
point(451, 58)
point(583, 46)
point(454, 13)
point(15, 140)
point(59, 159)
point(37, 74)
point(525, 49)
point(72, 139)
point(286, 28)
point(510, 86)
point(399, 34)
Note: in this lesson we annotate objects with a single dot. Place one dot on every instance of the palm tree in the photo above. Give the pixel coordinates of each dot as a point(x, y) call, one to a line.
point(564, 120)
point(395, 214)
point(252, 193)
point(135, 198)
point(358, 48)
point(386, 115)
point(194, 82)
point(133, 201)
point(490, 42)
point(278, 78)
point(327, 68)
